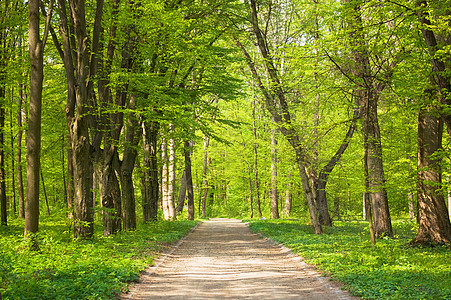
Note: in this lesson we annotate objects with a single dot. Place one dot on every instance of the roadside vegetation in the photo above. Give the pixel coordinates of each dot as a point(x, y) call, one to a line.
point(389, 270)
point(65, 268)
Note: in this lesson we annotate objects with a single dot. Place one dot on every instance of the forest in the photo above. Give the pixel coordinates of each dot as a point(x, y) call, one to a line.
point(125, 118)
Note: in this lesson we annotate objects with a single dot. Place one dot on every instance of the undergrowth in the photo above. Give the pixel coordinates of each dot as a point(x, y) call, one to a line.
point(390, 270)
point(68, 269)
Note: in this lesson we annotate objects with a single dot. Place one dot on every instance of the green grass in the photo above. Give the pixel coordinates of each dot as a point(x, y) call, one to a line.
point(66, 269)
point(390, 270)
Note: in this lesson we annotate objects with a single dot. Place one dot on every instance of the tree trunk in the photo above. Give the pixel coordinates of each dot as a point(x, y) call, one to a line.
point(83, 180)
point(20, 186)
point(189, 179)
point(251, 192)
point(171, 179)
point(257, 179)
point(288, 203)
point(374, 171)
point(34, 120)
point(434, 223)
point(274, 192)
point(110, 193)
point(76, 55)
point(127, 167)
point(366, 94)
point(13, 167)
point(3, 199)
point(165, 178)
point(337, 208)
point(149, 181)
point(275, 101)
point(439, 67)
point(182, 195)
point(204, 176)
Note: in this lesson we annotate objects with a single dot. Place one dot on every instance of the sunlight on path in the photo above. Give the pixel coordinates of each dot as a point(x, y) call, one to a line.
point(223, 259)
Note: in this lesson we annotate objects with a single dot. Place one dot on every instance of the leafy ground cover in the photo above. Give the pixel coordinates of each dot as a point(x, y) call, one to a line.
point(390, 270)
point(67, 269)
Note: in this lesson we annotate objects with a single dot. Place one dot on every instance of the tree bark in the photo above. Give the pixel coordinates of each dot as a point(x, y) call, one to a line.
point(205, 179)
point(127, 166)
point(149, 181)
point(251, 191)
point(3, 199)
point(78, 63)
point(171, 179)
point(13, 162)
point(434, 223)
point(20, 186)
point(257, 179)
point(189, 179)
point(274, 191)
point(283, 118)
point(182, 195)
point(366, 94)
point(110, 193)
point(288, 203)
point(165, 178)
point(440, 70)
point(34, 120)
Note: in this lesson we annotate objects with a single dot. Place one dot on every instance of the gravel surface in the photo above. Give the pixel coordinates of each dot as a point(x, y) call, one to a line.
point(223, 259)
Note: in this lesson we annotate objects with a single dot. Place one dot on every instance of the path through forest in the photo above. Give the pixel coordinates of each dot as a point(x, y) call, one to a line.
point(223, 259)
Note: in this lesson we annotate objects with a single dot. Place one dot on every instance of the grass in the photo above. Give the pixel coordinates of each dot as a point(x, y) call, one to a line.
point(390, 270)
point(67, 269)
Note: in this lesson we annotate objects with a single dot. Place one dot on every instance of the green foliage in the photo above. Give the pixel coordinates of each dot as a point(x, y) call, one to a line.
point(390, 270)
point(63, 269)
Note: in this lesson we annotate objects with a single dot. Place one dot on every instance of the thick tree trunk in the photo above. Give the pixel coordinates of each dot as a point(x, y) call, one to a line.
point(308, 191)
point(440, 69)
point(366, 93)
point(110, 193)
point(374, 171)
point(149, 181)
point(76, 55)
point(189, 179)
point(83, 180)
point(34, 120)
point(434, 223)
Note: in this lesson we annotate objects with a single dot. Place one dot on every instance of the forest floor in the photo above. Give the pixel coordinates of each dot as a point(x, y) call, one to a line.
point(222, 258)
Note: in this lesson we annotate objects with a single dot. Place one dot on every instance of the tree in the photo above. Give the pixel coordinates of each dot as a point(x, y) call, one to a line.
point(367, 92)
point(36, 46)
point(274, 191)
point(79, 57)
point(149, 179)
point(434, 223)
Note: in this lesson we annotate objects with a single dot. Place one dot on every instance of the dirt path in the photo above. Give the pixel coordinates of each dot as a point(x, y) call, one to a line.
point(223, 259)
